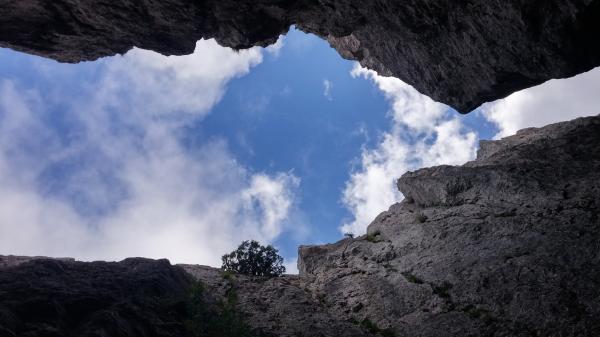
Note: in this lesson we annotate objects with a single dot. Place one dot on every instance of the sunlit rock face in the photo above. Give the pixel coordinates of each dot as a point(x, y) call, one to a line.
point(506, 245)
point(462, 53)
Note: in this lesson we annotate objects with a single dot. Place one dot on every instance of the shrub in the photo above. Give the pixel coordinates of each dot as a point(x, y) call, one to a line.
point(374, 237)
point(251, 258)
point(421, 218)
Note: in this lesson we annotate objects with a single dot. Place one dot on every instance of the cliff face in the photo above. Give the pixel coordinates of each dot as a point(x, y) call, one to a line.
point(462, 53)
point(48, 297)
point(140, 297)
point(506, 245)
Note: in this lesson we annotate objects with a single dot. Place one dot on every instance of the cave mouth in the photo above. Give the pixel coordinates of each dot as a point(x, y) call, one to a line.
point(407, 132)
point(300, 144)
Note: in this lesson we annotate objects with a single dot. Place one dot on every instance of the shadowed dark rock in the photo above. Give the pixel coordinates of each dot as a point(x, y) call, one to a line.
point(50, 297)
point(462, 53)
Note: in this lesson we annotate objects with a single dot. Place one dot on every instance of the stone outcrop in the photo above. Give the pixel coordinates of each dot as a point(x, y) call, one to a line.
point(61, 297)
point(142, 297)
point(462, 53)
point(505, 245)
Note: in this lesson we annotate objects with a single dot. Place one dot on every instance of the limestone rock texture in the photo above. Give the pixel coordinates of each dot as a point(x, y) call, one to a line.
point(505, 245)
point(462, 53)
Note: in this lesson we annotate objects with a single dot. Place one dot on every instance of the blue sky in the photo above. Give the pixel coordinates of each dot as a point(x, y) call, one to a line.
point(183, 157)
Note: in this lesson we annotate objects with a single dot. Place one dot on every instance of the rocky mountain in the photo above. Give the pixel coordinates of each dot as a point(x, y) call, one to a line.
point(505, 245)
point(462, 53)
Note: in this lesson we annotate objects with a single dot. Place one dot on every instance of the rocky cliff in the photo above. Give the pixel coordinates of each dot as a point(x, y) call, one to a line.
point(506, 245)
point(462, 53)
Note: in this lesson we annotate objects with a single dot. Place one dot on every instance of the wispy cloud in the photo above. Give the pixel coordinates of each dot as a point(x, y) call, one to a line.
point(423, 133)
point(119, 181)
point(327, 86)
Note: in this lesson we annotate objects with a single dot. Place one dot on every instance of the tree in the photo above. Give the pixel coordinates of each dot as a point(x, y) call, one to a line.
point(251, 258)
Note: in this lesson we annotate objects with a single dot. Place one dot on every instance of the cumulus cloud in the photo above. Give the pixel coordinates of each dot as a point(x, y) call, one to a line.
point(551, 102)
point(423, 133)
point(275, 48)
point(115, 179)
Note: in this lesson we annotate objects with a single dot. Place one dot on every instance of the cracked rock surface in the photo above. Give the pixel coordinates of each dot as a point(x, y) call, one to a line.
point(462, 53)
point(505, 245)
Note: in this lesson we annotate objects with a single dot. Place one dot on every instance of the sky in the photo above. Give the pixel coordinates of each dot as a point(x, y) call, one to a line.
point(185, 157)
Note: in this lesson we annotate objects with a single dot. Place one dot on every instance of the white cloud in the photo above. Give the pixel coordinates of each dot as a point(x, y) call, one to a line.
point(271, 199)
point(172, 88)
point(123, 155)
point(551, 102)
point(291, 266)
point(275, 48)
point(422, 134)
point(410, 109)
point(327, 85)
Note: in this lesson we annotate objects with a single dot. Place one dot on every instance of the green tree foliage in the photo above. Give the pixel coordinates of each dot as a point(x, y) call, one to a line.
point(251, 258)
point(207, 317)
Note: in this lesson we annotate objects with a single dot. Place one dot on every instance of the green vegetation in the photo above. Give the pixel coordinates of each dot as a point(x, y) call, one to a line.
point(368, 325)
point(228, 275)
point(412, 278)
point(442, 290)
point(251, 258)
point(477, 313)
point(207, 317)
point(374, 237)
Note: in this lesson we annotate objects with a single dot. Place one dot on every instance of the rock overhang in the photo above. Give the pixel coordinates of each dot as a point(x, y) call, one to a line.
point(459, 53)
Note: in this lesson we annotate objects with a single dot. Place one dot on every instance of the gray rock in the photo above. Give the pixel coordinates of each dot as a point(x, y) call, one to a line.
point(506, 245)
point(281, 306)
point(12, 260)
point(61, 297)
point(462, 53)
